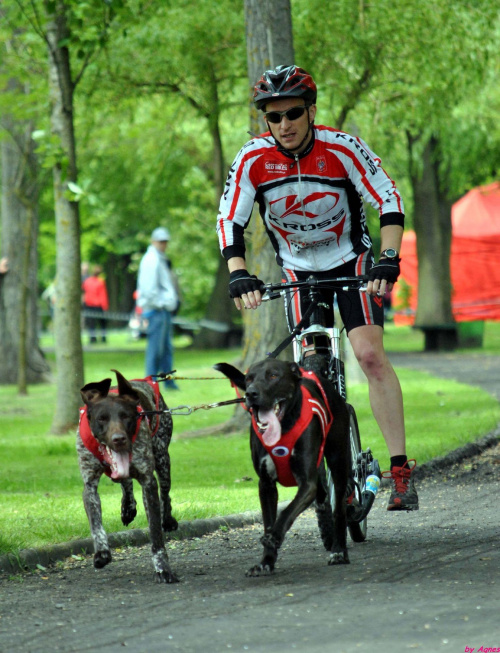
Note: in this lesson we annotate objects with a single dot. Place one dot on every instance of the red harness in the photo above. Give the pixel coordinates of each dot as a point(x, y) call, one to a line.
point(281, 452)
point(98, 449)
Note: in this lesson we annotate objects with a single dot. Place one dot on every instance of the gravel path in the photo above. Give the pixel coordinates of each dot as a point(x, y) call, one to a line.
point(424, 581)
point(481, 370)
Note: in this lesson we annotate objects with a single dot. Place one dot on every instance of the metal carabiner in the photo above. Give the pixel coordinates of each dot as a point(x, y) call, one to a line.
point(180, 410)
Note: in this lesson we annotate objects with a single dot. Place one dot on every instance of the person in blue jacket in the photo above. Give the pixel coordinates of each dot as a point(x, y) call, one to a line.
point(158, 297)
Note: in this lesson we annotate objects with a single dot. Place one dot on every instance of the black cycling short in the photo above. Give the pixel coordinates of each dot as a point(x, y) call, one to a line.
point(355, 308)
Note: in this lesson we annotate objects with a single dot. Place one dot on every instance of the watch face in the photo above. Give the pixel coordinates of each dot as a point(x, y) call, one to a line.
point(390, 253)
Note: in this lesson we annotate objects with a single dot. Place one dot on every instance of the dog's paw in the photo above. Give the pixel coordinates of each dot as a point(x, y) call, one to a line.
point(163, 572)
point(259, 570)
point(128, 514)
point(166, 576)
point(170, 524)
point(339, 558)
point(101, 559)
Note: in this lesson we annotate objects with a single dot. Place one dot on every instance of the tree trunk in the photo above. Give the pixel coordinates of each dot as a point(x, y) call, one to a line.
point(267, 47)
point(22, 360)
point(220, 307)
point(69, 355)
point(120, 283)
point(265, 328)
point(432, 222)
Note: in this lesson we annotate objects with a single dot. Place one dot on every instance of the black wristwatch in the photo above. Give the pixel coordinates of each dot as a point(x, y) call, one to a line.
point(390, 253)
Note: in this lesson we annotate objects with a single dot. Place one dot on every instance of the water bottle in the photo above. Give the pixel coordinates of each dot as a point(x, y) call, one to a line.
point(372, 485)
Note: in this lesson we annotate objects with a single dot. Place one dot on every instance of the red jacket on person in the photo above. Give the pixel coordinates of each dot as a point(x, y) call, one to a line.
point(95, 294)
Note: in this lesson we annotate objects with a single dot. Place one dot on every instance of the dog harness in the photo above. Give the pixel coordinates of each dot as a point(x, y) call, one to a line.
point(95, 447)
point(311, 407)
point(156, 393)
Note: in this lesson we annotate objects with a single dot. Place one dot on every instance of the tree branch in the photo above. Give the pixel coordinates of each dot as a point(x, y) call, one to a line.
point(36, 25)
point(352, 99)
point(174, 88)
point(86, 62)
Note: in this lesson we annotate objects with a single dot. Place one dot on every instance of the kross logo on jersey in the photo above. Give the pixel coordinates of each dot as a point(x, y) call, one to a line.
point(313, 206)
point(318, 207)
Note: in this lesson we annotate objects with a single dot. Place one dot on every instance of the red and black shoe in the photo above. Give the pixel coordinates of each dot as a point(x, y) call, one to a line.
point(404, 494)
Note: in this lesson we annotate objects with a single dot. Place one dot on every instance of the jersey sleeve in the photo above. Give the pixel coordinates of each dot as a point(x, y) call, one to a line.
point(365, 170)
point(236, 205)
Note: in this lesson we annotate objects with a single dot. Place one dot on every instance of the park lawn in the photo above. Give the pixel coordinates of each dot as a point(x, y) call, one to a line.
point(440, 416)
point(40, 484)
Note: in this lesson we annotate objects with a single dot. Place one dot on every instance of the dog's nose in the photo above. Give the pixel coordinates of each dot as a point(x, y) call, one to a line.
point(119, 439)
point(251, 394)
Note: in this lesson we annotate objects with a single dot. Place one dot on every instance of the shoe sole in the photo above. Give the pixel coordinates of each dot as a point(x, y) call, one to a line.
point(407, 508)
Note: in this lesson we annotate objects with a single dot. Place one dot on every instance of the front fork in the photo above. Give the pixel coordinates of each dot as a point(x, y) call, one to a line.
point(336, 370)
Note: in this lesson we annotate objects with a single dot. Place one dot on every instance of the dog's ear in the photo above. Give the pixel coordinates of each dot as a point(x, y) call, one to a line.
point(125, 390)
point(295, 369)
point(232, 373)
point(93, 392)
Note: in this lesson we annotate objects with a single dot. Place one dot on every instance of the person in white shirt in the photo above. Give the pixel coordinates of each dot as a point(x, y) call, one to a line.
point(159, 300)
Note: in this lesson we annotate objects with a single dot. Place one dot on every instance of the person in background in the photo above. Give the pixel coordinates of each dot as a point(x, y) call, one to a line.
point(137, 323)
point(49, 296)
point(4, 268)
point(158, 298)
point(4, 265)
point(85, 274)
point(95, 301)
point(85, 270)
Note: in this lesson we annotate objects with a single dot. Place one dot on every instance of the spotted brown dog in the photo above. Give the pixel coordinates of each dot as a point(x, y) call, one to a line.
point(297, 418)
point(116, 438)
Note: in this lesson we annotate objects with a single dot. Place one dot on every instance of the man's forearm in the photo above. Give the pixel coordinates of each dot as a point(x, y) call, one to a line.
point(391, 236)
point(236, 263)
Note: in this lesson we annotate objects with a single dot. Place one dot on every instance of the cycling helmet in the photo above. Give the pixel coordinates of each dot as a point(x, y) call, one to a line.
point(283, 82)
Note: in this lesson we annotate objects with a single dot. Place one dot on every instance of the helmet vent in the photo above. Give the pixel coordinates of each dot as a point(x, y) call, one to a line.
point(285, 82)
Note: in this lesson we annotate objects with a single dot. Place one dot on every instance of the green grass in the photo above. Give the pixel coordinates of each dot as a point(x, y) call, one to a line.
point(440, 415)
point(40, 484)
point(491, 343)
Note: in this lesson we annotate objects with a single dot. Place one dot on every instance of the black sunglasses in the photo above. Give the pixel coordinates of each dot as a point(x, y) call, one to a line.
point(291, 114)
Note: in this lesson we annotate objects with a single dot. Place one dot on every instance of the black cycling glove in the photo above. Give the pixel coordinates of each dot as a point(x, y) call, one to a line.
point(241, 283)
point(387, 269)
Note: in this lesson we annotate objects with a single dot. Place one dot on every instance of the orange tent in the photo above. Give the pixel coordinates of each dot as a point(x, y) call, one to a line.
point(475, 259)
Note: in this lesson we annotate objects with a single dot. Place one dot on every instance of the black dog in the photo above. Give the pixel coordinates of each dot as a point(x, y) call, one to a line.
point(114, 439)
point(295, 420)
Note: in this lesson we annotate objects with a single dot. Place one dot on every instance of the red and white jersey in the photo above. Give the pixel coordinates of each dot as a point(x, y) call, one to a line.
point(312, 204)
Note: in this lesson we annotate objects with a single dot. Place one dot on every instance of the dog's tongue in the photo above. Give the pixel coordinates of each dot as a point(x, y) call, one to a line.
point(119, 463)
point(272, 434)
